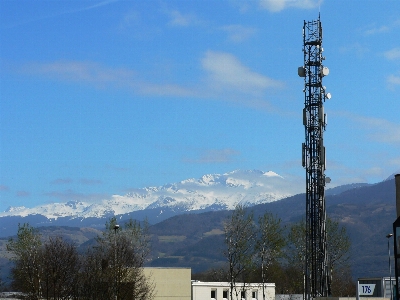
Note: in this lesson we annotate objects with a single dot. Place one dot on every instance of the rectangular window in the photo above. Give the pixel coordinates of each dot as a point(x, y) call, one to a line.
point(243, 295)
point(213, 294)
point(225, 294)
point(254, 295)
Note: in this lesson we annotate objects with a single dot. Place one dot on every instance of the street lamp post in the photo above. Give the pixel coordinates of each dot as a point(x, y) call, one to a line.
point(116, 226)
point(390, 267)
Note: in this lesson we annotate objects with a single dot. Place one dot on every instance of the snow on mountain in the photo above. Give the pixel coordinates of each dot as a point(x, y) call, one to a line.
point(219, 191)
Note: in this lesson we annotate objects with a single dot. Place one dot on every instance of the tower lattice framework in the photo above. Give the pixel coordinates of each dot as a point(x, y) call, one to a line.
point(314, 119)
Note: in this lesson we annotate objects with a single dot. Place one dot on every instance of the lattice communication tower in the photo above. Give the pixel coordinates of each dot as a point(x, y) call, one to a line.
point(317, 281)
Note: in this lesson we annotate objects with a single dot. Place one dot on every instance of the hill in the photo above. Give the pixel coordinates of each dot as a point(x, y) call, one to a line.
point(367, 212)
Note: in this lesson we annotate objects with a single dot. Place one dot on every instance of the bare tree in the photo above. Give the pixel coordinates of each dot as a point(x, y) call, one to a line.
point(343, 285)
point(295, 255)
point(139, 239)
point(114, 267)
point(269, 243)
point(27, 255)
point(239, 231)
point(60, 269)
point(91, 286)
point(338, 246)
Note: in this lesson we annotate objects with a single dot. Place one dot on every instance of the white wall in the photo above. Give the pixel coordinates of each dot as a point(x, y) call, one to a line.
point(170, 283)
point(203, 291)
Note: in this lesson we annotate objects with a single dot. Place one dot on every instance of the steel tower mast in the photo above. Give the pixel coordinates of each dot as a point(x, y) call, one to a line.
point(314, 119)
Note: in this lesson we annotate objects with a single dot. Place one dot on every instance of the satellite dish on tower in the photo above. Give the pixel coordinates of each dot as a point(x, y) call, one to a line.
point(325, 71)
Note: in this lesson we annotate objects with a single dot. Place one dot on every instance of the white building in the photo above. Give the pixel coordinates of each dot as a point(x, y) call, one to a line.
point(221, 291)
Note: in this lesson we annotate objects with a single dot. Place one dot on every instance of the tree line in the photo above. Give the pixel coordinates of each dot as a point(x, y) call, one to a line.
point(263, 250)
point(110, 269)
point(257, 250)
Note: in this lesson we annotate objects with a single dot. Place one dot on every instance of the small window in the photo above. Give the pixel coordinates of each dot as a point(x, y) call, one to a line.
point(254, 295)
point(213, 294)
point(225, 294)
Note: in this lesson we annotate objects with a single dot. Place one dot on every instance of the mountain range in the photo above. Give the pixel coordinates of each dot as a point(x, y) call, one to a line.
point(191, 234)
point(208, 193)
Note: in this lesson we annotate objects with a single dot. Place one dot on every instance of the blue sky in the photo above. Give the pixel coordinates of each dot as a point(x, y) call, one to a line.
point(101, 97)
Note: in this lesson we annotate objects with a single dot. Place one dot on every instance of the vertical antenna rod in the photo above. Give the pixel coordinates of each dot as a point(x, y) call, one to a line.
point(314, 119)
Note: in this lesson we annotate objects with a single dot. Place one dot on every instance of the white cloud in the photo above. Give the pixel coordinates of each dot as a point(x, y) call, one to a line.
point(374, 29)
point(226, 72)
point(377, 30)
point(355, 48)
point(102, 3)
point(242, 6)
point(382, 130)
point(180, 19)
point(374, 148)
point(224, 78)
point(102, 77)
point(72, 11)
point(273, 5)
point(393, 80)
point(80, 72)
point(130, 20)
point(279, 5)
point(147, 88)
point(238, 33)
point(392, 54)
point(365, 172)
point(378, 130)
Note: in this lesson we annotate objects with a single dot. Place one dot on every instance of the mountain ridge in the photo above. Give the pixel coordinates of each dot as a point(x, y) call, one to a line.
point(248, 187)
point(211, 192)
point(195, 238)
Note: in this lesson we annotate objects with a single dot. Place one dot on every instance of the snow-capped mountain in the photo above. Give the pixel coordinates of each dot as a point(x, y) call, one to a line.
point(210, 192)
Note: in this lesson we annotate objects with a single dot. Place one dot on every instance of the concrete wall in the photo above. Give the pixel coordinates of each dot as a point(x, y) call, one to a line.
point(170, 283)
point(220, 291)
